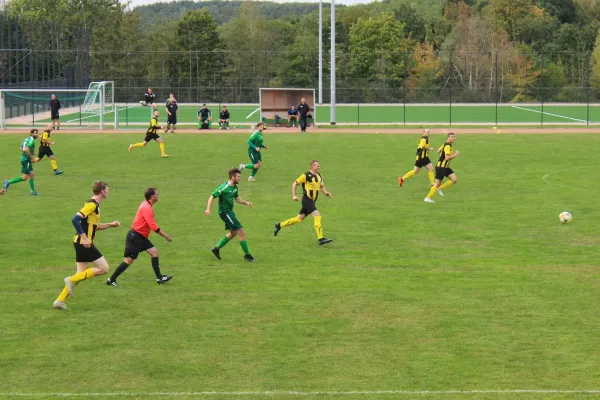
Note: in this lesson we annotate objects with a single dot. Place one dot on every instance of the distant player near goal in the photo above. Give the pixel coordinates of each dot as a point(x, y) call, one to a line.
point(171, 97)
point(54, 114)
point(149, 97)
point(151, 134)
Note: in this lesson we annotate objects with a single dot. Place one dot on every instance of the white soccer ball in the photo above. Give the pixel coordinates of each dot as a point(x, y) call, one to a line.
point(565, 217)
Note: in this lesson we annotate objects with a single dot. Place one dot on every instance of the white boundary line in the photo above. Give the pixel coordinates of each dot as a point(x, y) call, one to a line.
point(295, 393)
point(547, 113)
point(249, 115)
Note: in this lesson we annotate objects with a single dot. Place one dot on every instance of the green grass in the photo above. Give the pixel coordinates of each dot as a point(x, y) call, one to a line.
point(369, 113)
point(484, 289)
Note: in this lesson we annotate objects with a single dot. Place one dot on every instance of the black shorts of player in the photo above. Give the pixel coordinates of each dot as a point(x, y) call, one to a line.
point(54, 115)
point(135, 243)
point(151, 136)
point(422, 162)
point(45, 151)
point(441, 173)
point(172, 120)
point(308, 206)
point(83, 254)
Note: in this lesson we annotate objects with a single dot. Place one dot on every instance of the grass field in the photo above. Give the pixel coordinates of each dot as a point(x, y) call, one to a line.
point(483, 290)
point(368, 113)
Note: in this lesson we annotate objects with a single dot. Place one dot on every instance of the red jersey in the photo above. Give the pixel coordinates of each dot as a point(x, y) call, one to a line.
point(144, 221)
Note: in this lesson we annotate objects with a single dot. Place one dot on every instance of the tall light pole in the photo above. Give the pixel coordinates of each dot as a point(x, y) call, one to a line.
point(321, 52)
point(332, 72)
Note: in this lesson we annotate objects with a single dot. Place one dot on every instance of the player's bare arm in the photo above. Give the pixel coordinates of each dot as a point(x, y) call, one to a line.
point(209, 205)
point(244, 202)
point(325, 191)
point(294, 186)
point(114, 224)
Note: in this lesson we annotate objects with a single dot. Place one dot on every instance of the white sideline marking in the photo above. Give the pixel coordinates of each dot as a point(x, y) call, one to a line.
point(301, 393)
point(92, 116)
point(249, 115)
point(547, 113)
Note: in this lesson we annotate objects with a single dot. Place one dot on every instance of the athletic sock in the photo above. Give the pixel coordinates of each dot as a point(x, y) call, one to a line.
point(54, 165)
point(254, 171)
point(289, 222)
point(431, 176)
point(318, 227)
point(120, 269)
point(138, 144)
point(63, 295)
point(15, 180)
point(249, 166)
point(244, 245)
point(83, 275)
point(156, 267)
point(447, 184)
point(32, 185)
point(222, 242)
point(432, 191)
point(162, 148)
point(409, 174)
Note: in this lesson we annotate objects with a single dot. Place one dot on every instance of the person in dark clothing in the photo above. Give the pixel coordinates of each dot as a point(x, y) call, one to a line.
point(54, 115)
point(303, 110)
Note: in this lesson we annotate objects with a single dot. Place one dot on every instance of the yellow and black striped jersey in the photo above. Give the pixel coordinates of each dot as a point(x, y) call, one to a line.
point(446, 150)
point(90, 221)
point(311, 184)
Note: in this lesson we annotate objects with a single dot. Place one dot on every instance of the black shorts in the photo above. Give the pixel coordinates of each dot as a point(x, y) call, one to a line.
point(45, 151)
point(83, 254)
point(54, 115)
point(172, 120)
point(135, 244)
point(151, 136)
point(422, 162)
point(308, 206)
point(441, 173)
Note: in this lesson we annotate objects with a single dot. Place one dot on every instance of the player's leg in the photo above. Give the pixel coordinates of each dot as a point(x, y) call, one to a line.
point(451, 181)
point(25, 165)
point(289, 222)
point(209, 122)
point(32, 183)
point(317, 223)
point(64, 294)
point(244, 244)
point(161, 144)
point(439, 176)
point(52, 158)
point(130, 254)
point(153, 252)
point(58, 123)
point(430, 173)
point(143, 103)
point(408, 175)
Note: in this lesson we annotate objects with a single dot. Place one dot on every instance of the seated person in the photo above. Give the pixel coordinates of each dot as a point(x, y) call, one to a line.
point(292, 116)
point(204, 118)
point(148, 99)
point(224, 118)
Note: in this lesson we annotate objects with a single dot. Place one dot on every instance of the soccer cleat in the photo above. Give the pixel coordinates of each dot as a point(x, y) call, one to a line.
point(164, 279)
point(61, 305)
point(216, 252)
point(70, 286)
point(323, 241)
point(35, 194)
point(251, 179)
point(130, 147)
point(6, 185)
point(277, 229)
point(58, 172)
point(165, 156)
point(440, 192)
point(248, 257)
point(242, 166)
point(428, 200)
point(111, 283)
point(400, 181)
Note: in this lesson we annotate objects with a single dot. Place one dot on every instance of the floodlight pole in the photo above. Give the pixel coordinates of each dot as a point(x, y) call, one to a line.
point(320, 51)
point(332, 72)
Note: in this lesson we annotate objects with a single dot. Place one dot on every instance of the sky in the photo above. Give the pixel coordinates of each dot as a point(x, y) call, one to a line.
point(347, 2)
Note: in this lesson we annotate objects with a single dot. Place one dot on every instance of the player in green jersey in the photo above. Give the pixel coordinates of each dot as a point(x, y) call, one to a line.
point(27, 159)
point(255, 144)
point(227, 194)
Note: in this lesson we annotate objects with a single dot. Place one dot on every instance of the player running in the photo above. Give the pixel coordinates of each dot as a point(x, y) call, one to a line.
point(152, 135)
point(27, 160)
point(255, 144)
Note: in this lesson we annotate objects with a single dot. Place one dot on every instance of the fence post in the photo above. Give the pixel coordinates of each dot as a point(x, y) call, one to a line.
point(358, 112)
point(542, 96)
point(587, 64)
point(450, 88)
point(404, 84)
point(496, 95)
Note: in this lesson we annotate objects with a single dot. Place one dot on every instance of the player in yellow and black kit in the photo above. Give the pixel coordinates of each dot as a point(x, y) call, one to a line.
point(86, 222)
point(442, 168)
point(45, 149)
point(151, 134)
point(312, 184)
point(422, 160)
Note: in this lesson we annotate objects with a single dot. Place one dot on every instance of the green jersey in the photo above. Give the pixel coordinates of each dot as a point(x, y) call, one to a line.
point(256, 140)
point(226, 194)
point(28, 143)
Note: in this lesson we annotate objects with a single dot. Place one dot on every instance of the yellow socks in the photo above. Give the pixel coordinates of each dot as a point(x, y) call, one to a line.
point(432, 191)
point(447, 184)
point(63, 295)
point(53, 163)
point(138, 145)
point(83, 275)
point(290, 221)
point(318, 227)
point(162, 148)
point(409, 174)
point(431, 176)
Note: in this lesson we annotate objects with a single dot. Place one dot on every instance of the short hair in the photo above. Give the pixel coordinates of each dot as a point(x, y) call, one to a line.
point(313, 161)
point(259, 124)
point(149, 88)
point(99, 186)
point(203, 104)
point(224, 106)
point(234, 171)
point(426, 130)
point(149, 193)
point(31, 132)
point(450, 134)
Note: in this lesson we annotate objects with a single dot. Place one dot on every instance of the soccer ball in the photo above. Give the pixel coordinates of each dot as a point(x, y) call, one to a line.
point(565, 217)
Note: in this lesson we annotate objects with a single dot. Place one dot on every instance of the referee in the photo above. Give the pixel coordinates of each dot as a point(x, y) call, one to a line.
point(303, 110)
point(137, 239)
point(54, 116)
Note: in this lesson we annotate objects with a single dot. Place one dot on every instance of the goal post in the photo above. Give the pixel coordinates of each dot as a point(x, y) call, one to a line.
point(277, 101)
point(92, 108)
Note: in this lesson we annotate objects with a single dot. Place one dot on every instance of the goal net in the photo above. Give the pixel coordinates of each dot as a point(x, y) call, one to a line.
point(275, 103)
point(90, 108)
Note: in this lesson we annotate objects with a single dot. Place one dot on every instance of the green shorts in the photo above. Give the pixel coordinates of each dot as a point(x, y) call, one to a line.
point(26, 167)
point(231, 222)
point(255, 156)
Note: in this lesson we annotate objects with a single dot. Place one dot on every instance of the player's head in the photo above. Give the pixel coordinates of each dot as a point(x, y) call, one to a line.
point(171, 95)
point(260, 126)
point(303, 100)
point(426, 132)
point(149, 90)
point(451, 137)
point(100, 189)
point(34, 133)
point(315, 166)
point(203, 106)
point(151, 195)
point(224, 108)
point(235, 175)
point(172, 99)
point(293, 107)
point(53, 97)
point(49, 127)
point(156, 114)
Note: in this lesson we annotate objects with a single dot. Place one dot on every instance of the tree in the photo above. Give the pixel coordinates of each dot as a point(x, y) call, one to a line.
point(563, 10)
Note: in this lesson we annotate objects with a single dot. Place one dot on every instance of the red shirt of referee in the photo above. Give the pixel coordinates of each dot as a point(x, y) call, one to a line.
point(137, 239)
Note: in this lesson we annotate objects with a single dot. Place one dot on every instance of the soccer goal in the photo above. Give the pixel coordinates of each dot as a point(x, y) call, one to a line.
point(92, 108)
point(275, 102)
